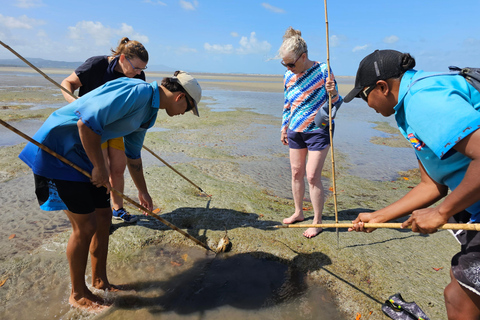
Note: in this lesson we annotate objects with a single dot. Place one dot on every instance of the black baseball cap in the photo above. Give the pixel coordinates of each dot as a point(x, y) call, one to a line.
point(379, 65)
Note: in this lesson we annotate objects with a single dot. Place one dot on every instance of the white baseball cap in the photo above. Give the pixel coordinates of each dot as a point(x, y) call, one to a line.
point(190, 84)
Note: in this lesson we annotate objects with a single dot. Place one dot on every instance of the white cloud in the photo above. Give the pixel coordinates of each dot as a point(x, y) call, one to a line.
point(391, 39)
point(271, 8)
point(182, 50)
point(26, 4)
point(187, 5)
point(234, 34)
point(360, 48)
point(247, 46)
point(22, 22)
point(252, 45)
point(160, 3)
point(334, 41)
point(218, 48)
point(86, 31)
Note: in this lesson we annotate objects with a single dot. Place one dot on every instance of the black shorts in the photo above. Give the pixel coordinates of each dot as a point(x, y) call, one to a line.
point(74, 196)
point(466, 263)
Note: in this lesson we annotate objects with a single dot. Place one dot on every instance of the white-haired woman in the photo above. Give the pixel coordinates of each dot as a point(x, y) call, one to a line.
point(305, 123)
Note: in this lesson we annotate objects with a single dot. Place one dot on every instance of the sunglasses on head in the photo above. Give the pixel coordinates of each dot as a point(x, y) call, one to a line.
point(364, 93)
point(291, 65)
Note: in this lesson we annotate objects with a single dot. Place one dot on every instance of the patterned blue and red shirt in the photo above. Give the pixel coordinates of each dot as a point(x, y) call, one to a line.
point(305, 94)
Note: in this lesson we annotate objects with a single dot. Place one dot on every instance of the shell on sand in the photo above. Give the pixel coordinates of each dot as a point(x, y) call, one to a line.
point(224, 244)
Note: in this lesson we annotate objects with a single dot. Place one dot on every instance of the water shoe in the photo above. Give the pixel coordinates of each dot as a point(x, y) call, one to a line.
point(122, 214)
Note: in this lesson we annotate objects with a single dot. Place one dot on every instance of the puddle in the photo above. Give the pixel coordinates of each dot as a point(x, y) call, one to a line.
point(177, 283)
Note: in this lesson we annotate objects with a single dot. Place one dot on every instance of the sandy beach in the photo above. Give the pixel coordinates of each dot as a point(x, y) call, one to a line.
point(236, 157)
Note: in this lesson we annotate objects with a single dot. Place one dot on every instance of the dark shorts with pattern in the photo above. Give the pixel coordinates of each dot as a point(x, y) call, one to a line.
point(466, 263)
point(75, 196)
point(316, 140)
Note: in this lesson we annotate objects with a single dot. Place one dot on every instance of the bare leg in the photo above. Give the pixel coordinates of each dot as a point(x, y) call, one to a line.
point(461, 302)
point(315, 162)
point(297, 164)
point(117, 164)
point(99, 249)
point(83, 229)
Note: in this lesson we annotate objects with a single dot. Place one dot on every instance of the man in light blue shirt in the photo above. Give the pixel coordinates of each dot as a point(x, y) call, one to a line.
point(124, 107)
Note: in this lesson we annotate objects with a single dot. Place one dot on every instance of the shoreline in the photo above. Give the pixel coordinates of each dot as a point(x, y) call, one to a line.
point(233, 165)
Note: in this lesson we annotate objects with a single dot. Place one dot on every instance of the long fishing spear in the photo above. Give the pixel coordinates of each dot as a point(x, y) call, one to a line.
point(334, 187)
point(75, 97)
point(68, 162)
point(392, 225)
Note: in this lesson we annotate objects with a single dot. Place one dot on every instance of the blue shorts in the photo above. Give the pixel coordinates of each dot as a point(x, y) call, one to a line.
point(466, 263)
point(316, 140)
point(75, 196)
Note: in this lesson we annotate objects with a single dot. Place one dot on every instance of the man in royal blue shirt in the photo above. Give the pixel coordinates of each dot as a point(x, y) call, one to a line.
point(123, 107)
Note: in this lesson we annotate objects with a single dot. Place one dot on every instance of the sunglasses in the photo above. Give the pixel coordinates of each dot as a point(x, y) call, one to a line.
point(291, 65)
point(364, 93)
point(135, 68)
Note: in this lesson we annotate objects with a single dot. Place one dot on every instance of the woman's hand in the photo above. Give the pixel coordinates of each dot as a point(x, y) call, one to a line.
point(284, 138)
point(146, 201)
point(330, 87)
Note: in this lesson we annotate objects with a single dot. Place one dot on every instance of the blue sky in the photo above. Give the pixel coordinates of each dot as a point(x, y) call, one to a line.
point(243, 36)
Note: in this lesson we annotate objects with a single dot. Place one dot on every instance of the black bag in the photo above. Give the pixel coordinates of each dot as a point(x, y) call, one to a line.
point(472, 75)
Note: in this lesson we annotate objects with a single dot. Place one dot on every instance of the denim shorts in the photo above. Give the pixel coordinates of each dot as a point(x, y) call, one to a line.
point(75, 196)
point(466, 263)
point(316, 140)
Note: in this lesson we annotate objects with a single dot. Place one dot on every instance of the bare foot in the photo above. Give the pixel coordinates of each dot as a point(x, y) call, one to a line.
point(114, 288)
point(293, 218)
point(312, 232)
point(93, 305)
point(117, 288)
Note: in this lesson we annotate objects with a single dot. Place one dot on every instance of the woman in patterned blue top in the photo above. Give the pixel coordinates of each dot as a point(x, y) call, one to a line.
point(305, 123)
point(439, 115)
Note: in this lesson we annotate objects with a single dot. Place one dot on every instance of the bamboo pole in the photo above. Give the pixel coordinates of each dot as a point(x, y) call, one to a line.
point(75, 97)
point(133, 202)
point(334, 187)
point(447, 226)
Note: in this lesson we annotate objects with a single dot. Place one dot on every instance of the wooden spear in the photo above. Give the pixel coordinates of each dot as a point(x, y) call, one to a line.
point(65, 160)
point(447, 226)
point(334, 187)
point(75, 97)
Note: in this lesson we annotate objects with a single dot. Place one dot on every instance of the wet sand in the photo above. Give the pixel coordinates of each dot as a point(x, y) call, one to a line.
point(247, 173)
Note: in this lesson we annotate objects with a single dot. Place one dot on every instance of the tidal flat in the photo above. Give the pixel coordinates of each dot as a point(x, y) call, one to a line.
point(236, 158)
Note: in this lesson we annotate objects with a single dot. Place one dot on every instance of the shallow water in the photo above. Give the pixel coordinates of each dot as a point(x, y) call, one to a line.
point(187, 284)
point(176, 283)
point(353, 131)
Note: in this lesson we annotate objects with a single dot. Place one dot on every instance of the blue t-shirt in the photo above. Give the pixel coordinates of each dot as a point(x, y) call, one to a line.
point(434, 114)
point(123, 107)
